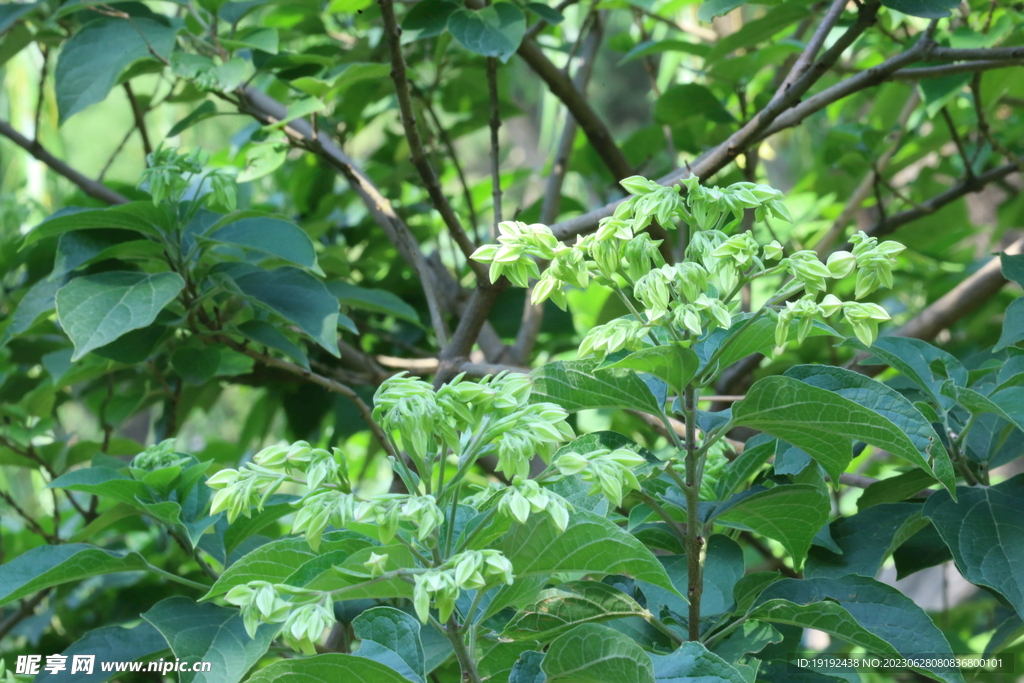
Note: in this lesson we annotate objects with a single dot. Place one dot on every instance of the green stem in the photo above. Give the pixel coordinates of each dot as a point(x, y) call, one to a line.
point(649, 500)
point(664, 628)
point(179, 579)
point(465, 658)
point(694, 542)
point(725, 631)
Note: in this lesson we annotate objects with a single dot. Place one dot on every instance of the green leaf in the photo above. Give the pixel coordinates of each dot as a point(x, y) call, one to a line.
point(1013, 325)
point(548, 14)
point(589, 544)
point(889, 404)
point(915, 359)
point(866, 540)
point(329, 667)
point(426, 19)
point(282, 560)
point(977, 403)
point(257, 38)
point(94, 310)
point(894, 489)
point(262, 159)
point(527, 669)
point(39, 299)
point(684, 101)
point(938, 92)
point(269, 335)
point(651, 47)
point(493, 31)
point(87, 68)
point(673, 365)
point(596, 654)
point(271, 236)
point(212, 634)
point(204, 111)
point(1012, 266)
point(392, 637)
point(559, 609)
point(929, 9)
point(373, 300)
point(984, 528)
point(691, 662)
point(579, 385)
point(820, 422)
point(12, 12)
point(110, 643)
point(141, 217)
point(716, 8)
point(790, 513)
point(861, 611)
point(753, 457)
point(53, 565)
point(293, 294)
point(196, 364)
point(761, 29)
point(752, 636)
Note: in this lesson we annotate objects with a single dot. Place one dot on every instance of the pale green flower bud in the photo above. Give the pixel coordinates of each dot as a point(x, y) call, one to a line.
point(607, 257)
point(421, 597)
point(223, 478)
point(613, 229)
point(652, 292)
point(740, 248)
point(864, 318)
point(497, 565)
point(841, 264)
point(304, 627)
point(638, 185)
point(571, 463)
point(806, 268)
point(689, 280)
point(570, 267)
point(687, 317)
point(272, 457)
point(773, 250)
point(377, 564)
point(720, 314)
point(830, 305)
point(626, 457)
point(640, 255)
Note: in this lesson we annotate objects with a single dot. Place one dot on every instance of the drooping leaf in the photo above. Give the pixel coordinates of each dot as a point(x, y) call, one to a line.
point(268, 335)
point(392, 637)
point(293, 294)
point(820, 422)
point(39, 299)
point(691, 662)
point(590, 544)
point(559, 609)
point(984, 529)
point(673, 365)
point(87, 69)
point(590, 653)
point(861, 611)
point(110, 643)
point(140, 217)
point(866, 540)
point(493, 31)
point(204, 111)
point(212, 634)
point(95, 310)
point(894, 489)
point(578, 385)
point(272, 236)
point(790, 513)
point(373, 300)
point(53, 565)
point(329, 667)
point(891, 405)
point(687, 100)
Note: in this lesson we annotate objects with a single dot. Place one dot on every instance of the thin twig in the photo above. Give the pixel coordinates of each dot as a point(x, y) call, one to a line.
point(968, 167)
point(140, 118)
point(495, 125)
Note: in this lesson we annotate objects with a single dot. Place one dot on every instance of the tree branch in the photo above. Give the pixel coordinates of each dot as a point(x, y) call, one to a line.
point(495, 126)
point(94, 189)
point(419, 158)
point(140, 120)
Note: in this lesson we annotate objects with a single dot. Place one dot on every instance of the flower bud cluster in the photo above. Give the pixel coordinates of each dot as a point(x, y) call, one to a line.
point(611, 472)
point(469, 570)
point(306, 614)
point(874, 262)
point(519, 245)
point(158, 456)
point(494, 413)
point(526, 496)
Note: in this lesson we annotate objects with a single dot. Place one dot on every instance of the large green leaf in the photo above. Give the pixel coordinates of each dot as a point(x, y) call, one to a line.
point(891, 405)
point(329, 667)
point(373, 300)
point(293, 294)
point(589, 544)
point(559, 609)
point(917, 360)
point(140, 217)
point(692, 663)
point(791, 514)
point(861, 611)
point(97, 309)
point(391, 637)
point(894, 489)
point(264, 333)
point(271, 236)
point(39, 299)
point(110, 643)
point(52, 565)
point(673, 365)
point(820, 422)
point(866, 540)
point(684, 101)
point(984, 529)
point(208, 633)
point(753, 457)
point(493, 31)
point(279, 560)
point(590, 653)
point(88, 68)
point(79, 247)
point(579, 385)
